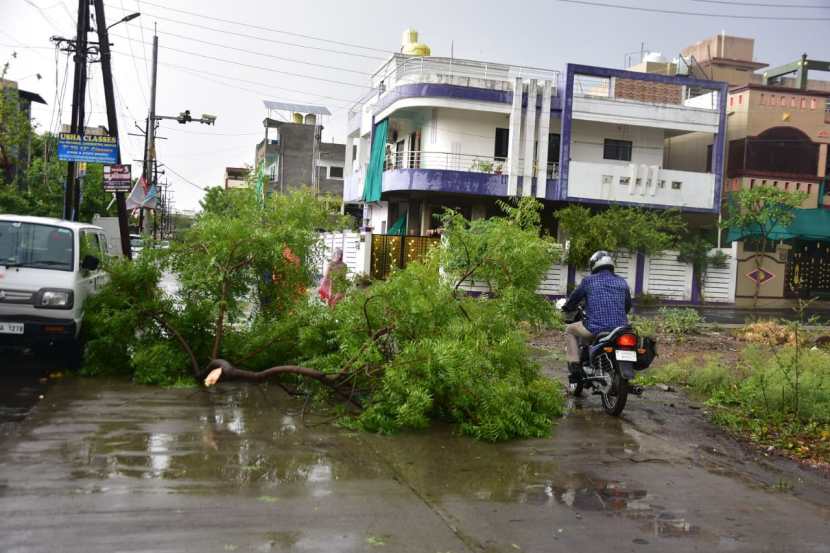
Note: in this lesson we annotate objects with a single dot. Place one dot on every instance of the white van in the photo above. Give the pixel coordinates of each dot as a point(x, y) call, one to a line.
point(48, 267)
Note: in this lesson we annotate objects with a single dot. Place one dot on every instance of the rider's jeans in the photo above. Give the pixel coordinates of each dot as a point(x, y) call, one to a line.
point(575, 332)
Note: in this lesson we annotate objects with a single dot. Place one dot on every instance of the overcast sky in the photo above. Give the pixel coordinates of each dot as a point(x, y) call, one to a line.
point(542, 33)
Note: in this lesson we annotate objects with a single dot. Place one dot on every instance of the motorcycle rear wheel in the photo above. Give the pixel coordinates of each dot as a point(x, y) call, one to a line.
point(615, 396)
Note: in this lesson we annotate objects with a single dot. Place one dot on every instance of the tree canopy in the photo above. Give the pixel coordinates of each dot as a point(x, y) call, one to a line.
point(399, 353)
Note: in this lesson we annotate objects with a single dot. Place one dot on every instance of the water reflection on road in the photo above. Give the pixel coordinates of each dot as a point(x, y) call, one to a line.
point(100, 462)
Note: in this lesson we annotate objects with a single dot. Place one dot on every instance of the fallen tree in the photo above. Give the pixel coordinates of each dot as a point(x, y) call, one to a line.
point(401, 352)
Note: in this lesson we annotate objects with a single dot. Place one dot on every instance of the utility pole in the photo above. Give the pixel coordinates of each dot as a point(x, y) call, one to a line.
point(150, 143)
point(112, 117)
point(76, 125)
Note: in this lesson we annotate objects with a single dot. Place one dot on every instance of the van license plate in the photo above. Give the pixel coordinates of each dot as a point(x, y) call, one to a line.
point(11, 328)
point(626, 355)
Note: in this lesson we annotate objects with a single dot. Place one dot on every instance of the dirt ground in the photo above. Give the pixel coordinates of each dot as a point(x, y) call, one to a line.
point(707, 343)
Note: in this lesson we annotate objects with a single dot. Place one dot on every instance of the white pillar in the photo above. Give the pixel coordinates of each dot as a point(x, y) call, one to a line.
point(514, 137)
point(349, 165)
point(530, 138)
point(542, 139)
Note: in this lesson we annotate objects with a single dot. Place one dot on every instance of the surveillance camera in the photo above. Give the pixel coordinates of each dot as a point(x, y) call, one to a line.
point(208, 118)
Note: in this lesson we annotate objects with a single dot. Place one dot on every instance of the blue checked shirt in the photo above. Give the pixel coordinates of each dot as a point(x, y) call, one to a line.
point(608, 301)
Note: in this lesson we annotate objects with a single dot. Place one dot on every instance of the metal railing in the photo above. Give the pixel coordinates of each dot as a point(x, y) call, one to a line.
point(453, 161)
point(401, 66)
point(687, 97)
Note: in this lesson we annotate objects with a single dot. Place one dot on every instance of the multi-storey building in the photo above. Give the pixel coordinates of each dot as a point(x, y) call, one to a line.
point(778, 135)
point(294, 154)
point(236, 177)
point(444, 132)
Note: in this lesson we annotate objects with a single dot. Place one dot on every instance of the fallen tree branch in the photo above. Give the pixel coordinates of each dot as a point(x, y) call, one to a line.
point(219, 369)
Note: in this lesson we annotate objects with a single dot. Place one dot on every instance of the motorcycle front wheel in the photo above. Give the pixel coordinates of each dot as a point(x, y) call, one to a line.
point(615, 395)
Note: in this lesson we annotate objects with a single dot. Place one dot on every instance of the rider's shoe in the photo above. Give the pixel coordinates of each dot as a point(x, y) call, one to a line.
point(575, 373)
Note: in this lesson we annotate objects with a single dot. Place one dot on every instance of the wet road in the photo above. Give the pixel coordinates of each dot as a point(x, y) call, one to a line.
point(103, 466)
point(23, 381)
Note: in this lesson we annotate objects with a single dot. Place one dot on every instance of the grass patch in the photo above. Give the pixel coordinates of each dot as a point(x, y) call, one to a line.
point(778, 397)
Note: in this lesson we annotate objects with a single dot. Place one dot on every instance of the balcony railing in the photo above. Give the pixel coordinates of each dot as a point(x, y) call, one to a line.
point(456, 162)
point(402, 66)
point(606, 87)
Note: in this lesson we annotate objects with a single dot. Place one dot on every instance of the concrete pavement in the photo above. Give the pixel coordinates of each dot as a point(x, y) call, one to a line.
point(103, 466)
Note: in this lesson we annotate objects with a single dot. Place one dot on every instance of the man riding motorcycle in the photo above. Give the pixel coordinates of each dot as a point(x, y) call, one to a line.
point(608, 301)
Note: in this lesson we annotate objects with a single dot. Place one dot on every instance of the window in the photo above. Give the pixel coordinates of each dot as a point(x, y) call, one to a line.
point(553, 148)
point(607, 179)
point(813, 103)
point(90, 245)
point(502, 139)
point(763, 99)
point(792, 101)
point(335, 172)
point(676, 184)
point(36, 245)
point(617, 149)
point(661, 184)
point(625, 180)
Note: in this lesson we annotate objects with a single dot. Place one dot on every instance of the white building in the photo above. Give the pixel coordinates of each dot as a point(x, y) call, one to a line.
point(460, 134)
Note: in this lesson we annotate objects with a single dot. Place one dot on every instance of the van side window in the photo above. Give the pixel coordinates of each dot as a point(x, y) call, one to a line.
point(89, 245)
point(105, 250)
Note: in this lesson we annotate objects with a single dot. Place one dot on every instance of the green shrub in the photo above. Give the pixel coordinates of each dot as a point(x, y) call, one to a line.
point(703, 379)
point(679, 321)
point(644, 326)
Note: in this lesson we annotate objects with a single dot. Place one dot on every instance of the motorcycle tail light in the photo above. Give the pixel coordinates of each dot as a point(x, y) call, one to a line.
point(627, 341)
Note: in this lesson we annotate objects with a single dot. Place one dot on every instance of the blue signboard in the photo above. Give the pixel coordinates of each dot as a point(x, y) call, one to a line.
point(91, 149)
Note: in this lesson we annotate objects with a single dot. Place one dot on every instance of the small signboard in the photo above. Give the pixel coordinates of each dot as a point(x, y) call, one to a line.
point(91, 149)
point(117, 178)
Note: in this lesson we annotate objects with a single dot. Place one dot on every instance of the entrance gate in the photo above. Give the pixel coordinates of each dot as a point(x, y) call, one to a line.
point(390, 251)
point(808, 270)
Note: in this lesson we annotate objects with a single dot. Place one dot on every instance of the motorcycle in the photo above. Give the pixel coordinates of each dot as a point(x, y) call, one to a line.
point(610, 362)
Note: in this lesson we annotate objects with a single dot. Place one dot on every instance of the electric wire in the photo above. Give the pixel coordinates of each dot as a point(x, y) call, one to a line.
point(217, 75)
point(763, 5)
point(254, 52)
point(135, 63)
point(144, 41)
point(185, 179)
point(263, 39)
point(262, 68)
point(268, 29)
point(692, 14)
point(234, 85)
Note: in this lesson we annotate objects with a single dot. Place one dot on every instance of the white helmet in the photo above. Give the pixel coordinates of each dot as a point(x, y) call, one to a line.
point(599, 260)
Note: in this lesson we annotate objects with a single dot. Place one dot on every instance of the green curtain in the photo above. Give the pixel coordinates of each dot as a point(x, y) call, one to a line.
point(374, 174)
point(399, 228)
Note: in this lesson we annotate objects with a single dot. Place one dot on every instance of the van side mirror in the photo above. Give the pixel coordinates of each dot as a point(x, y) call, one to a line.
point(90, 263)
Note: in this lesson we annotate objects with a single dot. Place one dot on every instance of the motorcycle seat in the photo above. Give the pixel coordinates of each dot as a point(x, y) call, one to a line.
point(603, 336)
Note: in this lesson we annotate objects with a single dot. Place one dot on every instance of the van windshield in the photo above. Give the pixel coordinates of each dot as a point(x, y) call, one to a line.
point(36, 245)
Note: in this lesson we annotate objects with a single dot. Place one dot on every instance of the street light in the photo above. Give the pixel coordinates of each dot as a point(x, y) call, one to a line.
point(124, 20)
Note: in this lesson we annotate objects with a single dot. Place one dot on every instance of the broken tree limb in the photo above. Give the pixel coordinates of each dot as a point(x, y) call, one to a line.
point(220, 369)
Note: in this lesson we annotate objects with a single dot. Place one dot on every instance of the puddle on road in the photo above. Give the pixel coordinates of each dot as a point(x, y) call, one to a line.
point(254, 441)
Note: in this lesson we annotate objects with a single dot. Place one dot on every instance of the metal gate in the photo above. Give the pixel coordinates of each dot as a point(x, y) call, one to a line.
point(391, 251)
point(808, 270)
